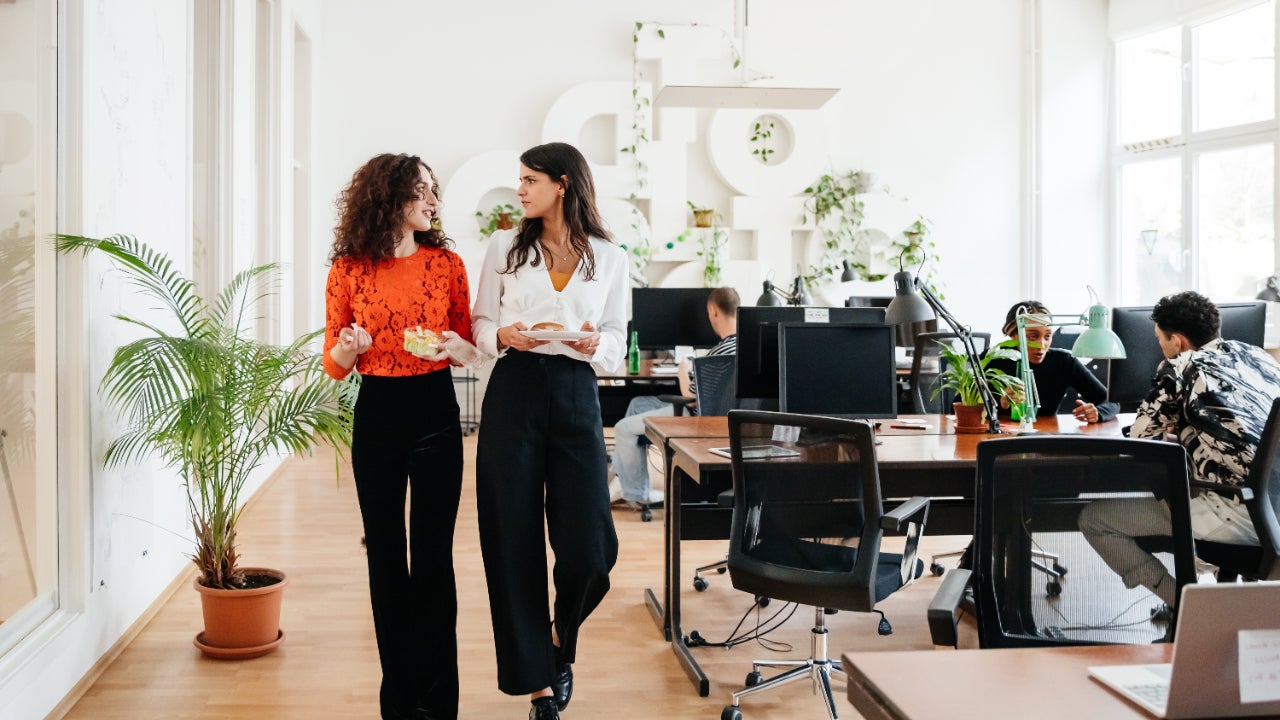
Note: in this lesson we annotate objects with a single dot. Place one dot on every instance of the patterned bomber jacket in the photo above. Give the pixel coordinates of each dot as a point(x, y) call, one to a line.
point(1215, 399)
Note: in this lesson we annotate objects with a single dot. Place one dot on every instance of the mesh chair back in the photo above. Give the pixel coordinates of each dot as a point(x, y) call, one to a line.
point(806, 527)
point(927, 365)
point(1264, 481)
point(715, 380)
point(1031, 491)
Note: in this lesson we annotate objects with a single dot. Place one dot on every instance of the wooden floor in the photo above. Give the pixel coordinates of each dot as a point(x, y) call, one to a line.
point(308, 525)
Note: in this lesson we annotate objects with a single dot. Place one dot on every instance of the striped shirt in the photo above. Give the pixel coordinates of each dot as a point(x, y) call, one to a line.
point(1215, 399)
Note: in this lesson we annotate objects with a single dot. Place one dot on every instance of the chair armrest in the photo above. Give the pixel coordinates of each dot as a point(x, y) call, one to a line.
point(905, 513)
point(1243, 493)
point(679, 401)
point(944, 610)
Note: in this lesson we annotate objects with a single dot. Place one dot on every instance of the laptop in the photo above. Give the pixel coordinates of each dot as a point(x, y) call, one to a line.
point(1203, 679)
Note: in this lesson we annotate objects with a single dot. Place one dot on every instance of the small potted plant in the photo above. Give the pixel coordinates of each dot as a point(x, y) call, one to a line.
point(200, 393)
point(958, 375)
point(499, 217)
point(703, 217)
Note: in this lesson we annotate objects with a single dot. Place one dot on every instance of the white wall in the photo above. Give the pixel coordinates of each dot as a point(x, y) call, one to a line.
point(932, 103)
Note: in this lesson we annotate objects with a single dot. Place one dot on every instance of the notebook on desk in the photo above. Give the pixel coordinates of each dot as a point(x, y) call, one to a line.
point(1203, 681)
point(757, 452)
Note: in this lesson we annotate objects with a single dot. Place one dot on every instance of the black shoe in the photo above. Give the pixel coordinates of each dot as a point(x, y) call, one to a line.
point(562, 686)
point(544, 708)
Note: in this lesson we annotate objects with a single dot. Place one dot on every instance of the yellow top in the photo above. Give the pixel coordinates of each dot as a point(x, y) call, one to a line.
point(559, 279)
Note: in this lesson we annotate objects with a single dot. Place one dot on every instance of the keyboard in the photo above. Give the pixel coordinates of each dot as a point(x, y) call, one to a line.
point(1155, 693)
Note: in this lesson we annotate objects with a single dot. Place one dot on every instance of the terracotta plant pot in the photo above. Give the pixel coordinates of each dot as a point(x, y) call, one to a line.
point(703, 218)
point(504, 221)
point(969, 418)
point(241, 624)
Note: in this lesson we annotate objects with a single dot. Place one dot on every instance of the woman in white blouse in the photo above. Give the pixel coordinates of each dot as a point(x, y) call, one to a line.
point(540, 445)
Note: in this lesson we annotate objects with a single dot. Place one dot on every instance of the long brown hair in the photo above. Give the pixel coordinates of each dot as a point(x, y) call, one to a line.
point(580, 214)
point(371, 208)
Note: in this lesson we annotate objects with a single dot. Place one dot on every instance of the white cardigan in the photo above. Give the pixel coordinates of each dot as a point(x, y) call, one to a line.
point(528, 296)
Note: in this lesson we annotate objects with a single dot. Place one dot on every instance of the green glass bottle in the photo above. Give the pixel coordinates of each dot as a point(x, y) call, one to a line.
point(633, 354)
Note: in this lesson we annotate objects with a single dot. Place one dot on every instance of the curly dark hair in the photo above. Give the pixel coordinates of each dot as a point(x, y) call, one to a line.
point(1189, 313)
point(371, 208)
point(1035, 307)
point(580, 214)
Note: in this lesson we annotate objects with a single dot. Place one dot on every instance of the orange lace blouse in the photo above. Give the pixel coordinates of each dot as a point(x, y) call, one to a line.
point(427, 289)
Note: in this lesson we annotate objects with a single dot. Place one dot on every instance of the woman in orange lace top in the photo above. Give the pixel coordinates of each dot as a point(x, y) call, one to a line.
point(392, 272)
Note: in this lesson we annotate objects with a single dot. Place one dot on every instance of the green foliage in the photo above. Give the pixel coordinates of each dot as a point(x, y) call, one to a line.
point(835, 207)
point(762, 141)
point(960, 377)
point(913, 247)
point(491, 221)
point(199, 393)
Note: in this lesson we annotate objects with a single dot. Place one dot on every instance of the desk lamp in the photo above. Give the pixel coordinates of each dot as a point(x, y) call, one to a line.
point(1098, 342)
point(774, 296)
point(914, 302)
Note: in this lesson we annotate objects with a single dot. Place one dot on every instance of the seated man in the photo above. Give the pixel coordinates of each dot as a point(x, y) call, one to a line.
point(630, 468)
point(1213, 395)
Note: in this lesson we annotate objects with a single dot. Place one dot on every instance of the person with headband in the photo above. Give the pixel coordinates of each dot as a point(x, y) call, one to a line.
point(1055, 370)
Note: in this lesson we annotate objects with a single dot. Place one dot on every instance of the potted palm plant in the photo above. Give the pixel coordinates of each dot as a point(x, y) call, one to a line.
point(202, 395)
point(958, 375)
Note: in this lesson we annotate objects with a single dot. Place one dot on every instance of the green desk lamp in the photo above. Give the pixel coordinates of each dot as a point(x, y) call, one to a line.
point(1097, 342)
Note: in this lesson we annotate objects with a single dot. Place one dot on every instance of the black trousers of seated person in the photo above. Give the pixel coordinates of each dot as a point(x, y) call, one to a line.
point(407, 433)
point(541, 453)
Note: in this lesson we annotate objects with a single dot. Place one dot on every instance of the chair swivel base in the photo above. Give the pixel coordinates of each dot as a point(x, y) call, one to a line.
point(817, 667)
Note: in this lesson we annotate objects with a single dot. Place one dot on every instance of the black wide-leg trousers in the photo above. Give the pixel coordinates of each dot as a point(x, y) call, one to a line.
point(541, 450)
point(407, 433)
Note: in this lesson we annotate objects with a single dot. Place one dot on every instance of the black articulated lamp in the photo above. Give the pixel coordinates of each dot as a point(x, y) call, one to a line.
point(1270, 293)
point(914, 302)
point(774, 296)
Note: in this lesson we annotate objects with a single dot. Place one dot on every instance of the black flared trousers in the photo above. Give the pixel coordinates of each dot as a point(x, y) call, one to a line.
point(407, 433)
point(541, 451)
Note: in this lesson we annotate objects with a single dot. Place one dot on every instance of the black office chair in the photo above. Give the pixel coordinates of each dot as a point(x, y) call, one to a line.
point(1030, 492)
point(807, 529)
point(923, 373)
point(1261, 495)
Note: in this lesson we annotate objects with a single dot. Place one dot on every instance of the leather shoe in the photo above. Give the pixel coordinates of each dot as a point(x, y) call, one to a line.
point(562, 686)
point(544, 708)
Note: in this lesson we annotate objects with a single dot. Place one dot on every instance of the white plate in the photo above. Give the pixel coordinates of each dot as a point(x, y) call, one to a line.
point(555, 334)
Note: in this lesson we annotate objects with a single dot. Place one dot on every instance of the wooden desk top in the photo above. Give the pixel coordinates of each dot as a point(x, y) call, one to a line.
point(980, 684)
point(646, 373)
point(935, 447)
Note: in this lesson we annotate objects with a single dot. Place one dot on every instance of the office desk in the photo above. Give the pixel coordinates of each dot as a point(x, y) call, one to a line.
point(934, 462)
point(1046, 683)
point(617, 389)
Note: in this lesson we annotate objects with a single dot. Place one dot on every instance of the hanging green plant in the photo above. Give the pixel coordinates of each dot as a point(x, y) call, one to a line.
point(762, 141)
point(913, 247)
point(834, 206)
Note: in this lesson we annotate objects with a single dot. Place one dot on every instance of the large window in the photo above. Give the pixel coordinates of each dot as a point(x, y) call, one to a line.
point(1196, 143)
point(28, 481)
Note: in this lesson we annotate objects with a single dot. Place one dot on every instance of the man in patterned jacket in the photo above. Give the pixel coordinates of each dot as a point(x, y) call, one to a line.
point(1213, 396)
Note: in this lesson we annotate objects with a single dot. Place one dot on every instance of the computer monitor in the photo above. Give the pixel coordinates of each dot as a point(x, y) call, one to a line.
point(758, 340)
point(1130, 379)
point(666, 317)
point(837, 369)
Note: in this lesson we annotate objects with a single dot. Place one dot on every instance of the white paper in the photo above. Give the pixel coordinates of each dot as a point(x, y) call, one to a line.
point(682, 352)
point(1259, 665)
point(817, 315)
point(786, 433)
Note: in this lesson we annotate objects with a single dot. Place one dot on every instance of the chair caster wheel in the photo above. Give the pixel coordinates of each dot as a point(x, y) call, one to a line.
point(762, 601)
point(1053, 588)
point(646, 515)
point(721, 570)
point(731, 712)
point(699, 584)
point(1060, 569)
point(936, 569)
point(754, 678)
